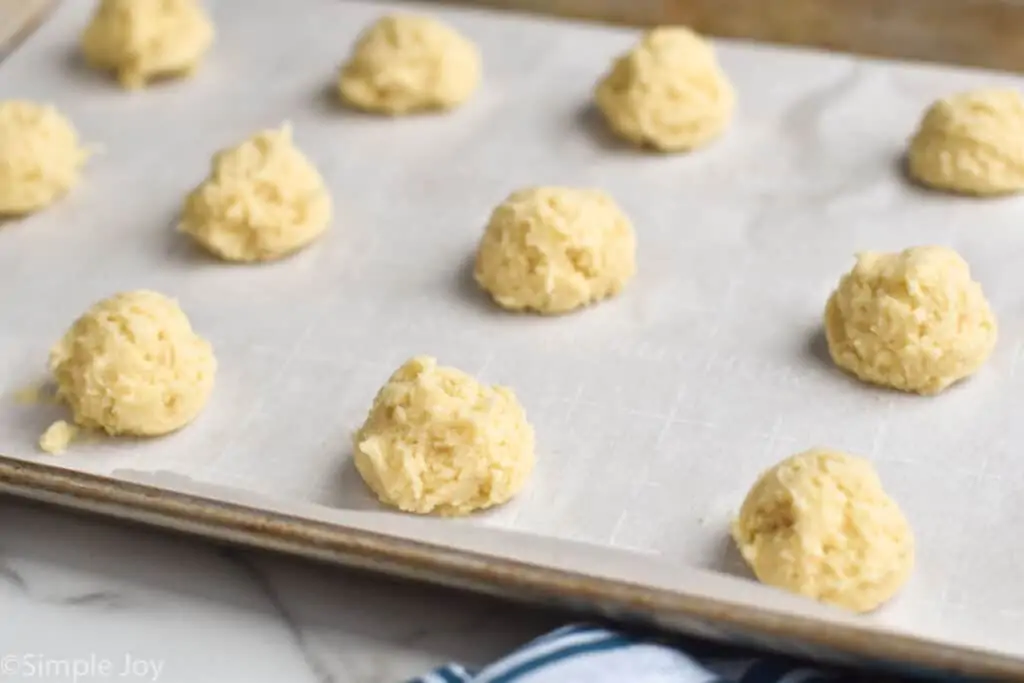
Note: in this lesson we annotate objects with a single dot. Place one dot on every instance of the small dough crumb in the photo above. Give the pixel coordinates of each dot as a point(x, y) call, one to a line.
point(554, 249)
point(820, 524)
point(263, 200)
point(142, 40)
point(132, 365)
point(404, 64)
point(971, 143)
point(437, 441)
point(40, 157)
point(57, 437)
point(668, 92)
point(914, 320)
point(30, 395)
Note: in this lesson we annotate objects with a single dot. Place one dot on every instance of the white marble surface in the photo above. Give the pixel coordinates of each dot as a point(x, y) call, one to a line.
point(91, 594)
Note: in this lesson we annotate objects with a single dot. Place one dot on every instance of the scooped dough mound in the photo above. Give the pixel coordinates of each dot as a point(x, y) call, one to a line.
point(668, 92)
point(404, 64)
point(554, 249)
point(132, 365)
point(820, 524)
point(40, 157)
point(262, 200)
point(971, 143)
point(141, 40)
point(914, 320)
point(437, 441)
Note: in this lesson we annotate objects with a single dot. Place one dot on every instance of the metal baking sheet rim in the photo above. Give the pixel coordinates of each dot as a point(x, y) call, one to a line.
point(339, 545)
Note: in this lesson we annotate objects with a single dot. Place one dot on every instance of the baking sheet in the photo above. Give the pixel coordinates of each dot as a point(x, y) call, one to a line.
point(654, 412)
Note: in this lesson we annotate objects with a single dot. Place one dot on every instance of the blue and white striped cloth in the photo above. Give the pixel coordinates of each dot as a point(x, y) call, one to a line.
point(591, 654)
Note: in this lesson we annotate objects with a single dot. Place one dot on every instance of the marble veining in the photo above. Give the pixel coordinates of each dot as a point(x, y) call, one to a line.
point(10, 576)
point(320, 671)
point(163, 608)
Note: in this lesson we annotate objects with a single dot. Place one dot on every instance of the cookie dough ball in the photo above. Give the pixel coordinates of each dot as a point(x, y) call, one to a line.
point(141, 40)
point(914, 320)
point(820, 524)
point(437, 441)
point(667, 93)
point(554, 249)
point(132, 365)
point(262, 201)
point(40, 157)
point(971, 143)
point(404, 64)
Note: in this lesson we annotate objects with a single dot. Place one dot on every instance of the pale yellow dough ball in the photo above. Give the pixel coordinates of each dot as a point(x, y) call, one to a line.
point(553, 249)
point(437, 441)
point(668, 92)
point(263, 200)
point(913, 320)
point(404, 64)
point(40, 157)
point(132, 365)
point(142, 40)
point(820, 524)
point(971, 143)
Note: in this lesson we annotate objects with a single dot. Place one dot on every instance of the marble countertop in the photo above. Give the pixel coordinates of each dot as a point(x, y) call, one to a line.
point(123, 603)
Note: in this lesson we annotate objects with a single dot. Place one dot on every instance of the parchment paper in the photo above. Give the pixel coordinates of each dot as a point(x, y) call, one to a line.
point(654, 412)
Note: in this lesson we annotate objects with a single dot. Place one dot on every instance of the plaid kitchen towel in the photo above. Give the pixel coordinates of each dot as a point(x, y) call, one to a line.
point(592, 654)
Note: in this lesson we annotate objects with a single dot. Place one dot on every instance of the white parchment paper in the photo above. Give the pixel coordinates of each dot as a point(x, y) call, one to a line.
point(654, 412)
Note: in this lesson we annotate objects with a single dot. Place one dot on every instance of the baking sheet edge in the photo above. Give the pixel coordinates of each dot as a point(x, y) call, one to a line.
point(267, 530)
